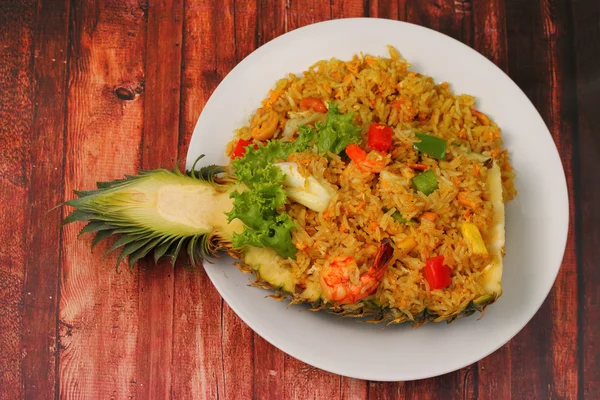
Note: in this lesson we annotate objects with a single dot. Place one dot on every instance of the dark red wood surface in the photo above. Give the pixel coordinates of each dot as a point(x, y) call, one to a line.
point(90, 90)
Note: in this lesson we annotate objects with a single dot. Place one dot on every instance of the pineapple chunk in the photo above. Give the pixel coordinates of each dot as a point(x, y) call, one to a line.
point(471, 233)
point(492, 279)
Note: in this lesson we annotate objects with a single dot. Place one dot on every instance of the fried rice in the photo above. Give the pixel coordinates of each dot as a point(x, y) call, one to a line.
point(361, 213)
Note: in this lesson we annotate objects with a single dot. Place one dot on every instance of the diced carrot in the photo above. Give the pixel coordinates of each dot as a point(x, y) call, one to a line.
point(430, 216)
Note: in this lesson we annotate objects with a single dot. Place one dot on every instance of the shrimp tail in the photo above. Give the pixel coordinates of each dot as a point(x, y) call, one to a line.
point(382, 258)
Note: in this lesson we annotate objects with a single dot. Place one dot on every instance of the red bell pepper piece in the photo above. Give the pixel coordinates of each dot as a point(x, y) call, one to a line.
point(380, 137)
point(240, 148)
point(437, 273)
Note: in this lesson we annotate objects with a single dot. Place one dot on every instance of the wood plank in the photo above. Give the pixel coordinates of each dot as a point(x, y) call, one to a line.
point(489, 31)
point(585, 15)
point(16, 115)
point(98, 305)
point(238, 358)
point(302, 381)
point(160, 142)
point(271, 20)
point(348, 8)
point(300, 13)
point(40, 340)
point(446, 16)
point(384, 9)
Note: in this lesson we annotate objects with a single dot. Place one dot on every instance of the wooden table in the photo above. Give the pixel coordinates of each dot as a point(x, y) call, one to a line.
point(92, 90)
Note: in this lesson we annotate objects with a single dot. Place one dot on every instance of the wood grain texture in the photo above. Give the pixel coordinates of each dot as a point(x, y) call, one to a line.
point(98, 317)
point(16, 116)
point(585, 17)
point(114, 86)
point(45, 180)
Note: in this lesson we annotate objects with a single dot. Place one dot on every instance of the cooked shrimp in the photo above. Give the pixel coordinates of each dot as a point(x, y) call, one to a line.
point(335, 279)
point(264, 124)
point(373, 161)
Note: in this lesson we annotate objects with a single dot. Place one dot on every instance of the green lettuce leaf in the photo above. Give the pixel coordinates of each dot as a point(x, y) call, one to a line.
point(337, 132)
point(259, 206)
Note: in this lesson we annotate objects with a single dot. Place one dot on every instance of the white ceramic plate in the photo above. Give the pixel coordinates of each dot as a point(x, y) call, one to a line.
point(536, 226)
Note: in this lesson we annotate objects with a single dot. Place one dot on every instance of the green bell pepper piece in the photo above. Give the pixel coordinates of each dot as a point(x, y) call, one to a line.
point(425, 182)
point(431, 145)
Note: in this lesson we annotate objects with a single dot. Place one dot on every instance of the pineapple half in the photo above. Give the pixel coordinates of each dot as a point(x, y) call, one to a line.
point(167, 213)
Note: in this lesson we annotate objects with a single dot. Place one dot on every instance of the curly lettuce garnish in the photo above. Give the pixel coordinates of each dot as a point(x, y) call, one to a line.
point(259, 207)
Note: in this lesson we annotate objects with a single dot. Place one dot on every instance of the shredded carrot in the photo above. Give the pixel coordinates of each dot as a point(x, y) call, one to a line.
point(422, 116)
point(300, 246)
point(374, 226)
point(343, 228)
point(464, 199)
point(430, 216)
point(370, 60)
point(494, 153)
point(445, 85)
point(347, 78)
point(456, 180)
point(477, 169)
point(397, 104)
point(336, 75)
point(411, 74)
point(467, 214)
point(360, 206)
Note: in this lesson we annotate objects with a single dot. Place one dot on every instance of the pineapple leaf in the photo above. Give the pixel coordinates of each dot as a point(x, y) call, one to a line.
point(141, 253)
point(100, 236)
point(95, 226)
point(162, 249)
point(147, 213)
point(77, 215)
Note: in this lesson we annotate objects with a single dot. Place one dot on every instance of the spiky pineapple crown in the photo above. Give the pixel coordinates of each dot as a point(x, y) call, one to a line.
point(108, 211)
